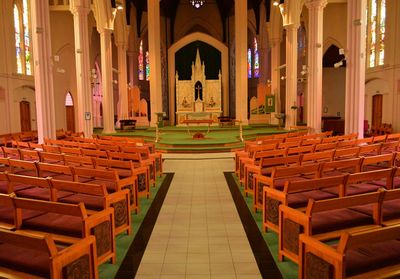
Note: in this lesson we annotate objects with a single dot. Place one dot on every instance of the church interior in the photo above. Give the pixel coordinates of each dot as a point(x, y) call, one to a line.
point(199, 139)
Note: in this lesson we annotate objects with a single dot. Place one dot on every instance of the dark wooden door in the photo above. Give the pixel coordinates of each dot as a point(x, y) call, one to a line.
point(70, 118)
point(377, 104)
point(25, 115)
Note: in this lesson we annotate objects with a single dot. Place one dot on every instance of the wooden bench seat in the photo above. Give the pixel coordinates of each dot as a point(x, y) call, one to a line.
point(342, 167)
point(258, 161)
point(126, 169)
point(60, 172)
point(95, 198)
point(296, 194)
point(41, 256)
point(325, 219)
point(378, 162)
point(366, 254)
point(365, 182)
point(68, 223)
point(143, 180)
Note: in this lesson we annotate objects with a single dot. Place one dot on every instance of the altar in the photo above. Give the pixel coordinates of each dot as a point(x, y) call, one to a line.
point(198, 98)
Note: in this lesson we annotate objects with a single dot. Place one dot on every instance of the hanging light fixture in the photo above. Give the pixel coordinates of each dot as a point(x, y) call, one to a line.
point(197, 3)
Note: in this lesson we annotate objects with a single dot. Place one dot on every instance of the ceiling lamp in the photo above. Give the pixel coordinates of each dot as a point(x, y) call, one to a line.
point(276, 3)
point(197, 3)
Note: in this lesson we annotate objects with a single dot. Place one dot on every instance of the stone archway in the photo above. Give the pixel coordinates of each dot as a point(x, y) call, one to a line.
point(198, 36)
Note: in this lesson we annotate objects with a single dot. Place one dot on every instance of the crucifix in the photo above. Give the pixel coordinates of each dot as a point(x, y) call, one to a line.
point(198, 92)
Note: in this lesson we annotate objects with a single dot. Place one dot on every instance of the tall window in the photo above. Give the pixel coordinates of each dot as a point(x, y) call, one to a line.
point(144, 63)
point(256, 66)
point(141, 62)
point(22, 37)
point(147, 66)
point(376, 15)
point(249, 63)
point(253, 60)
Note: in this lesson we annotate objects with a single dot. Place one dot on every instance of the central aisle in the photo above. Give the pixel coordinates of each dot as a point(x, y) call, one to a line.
point(198, 233)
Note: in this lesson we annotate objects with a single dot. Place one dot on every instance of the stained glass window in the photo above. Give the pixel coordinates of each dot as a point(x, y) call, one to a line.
point(249, 63)
point(147, 66)
point(140, 58)
point(22, 37)
point(256, 69)
point(18, 48)
point(376, 32)
point(27, 39)
point(382, 32)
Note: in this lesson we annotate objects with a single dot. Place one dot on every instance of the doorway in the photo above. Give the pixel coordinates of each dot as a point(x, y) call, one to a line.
point(25, 116)
point(377, 104)
point(70, 113)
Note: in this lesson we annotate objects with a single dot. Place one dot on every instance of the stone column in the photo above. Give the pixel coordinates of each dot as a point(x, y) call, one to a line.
point(133, 67)
point(291, 74)
point(80, 9)
point(106, 78)
point(315, 54)
point(122, 81)
point(153, 10)
point(241, 60)
point(355, 67)
point(275, 72)
point(43, 69)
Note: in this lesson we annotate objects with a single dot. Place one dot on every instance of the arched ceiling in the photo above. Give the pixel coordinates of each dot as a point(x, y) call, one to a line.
point(169, 8)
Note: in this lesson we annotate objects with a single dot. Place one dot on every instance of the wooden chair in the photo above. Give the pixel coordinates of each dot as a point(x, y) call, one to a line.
point(39, 256)
point(378, 162)
point(370, 150)
point(325, 146)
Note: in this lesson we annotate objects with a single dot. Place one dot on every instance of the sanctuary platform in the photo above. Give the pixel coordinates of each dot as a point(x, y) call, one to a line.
point(174, 139)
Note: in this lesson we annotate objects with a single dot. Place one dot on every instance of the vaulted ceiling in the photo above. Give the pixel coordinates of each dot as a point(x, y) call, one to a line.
point(169, 8)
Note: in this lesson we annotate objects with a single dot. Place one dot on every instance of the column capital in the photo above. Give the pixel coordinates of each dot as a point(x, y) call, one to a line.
point(316, 4)
point(79, 6)
point(291, 26)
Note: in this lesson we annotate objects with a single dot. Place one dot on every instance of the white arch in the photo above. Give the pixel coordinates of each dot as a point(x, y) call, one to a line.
point(198, 36)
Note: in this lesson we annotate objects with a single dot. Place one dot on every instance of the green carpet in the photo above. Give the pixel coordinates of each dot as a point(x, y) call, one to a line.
point(288, 268)
point(123, 241)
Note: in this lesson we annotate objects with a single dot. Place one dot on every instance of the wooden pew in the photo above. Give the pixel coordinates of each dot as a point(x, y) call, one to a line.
point(317, 157)
point(135, 160)
point(95, 198)
point(296, 194)
point(41, 256)
point(60, 172)
point(342, 167)
point(12, 153)
point(51, 148)
point(29, 155)
point(126, 169)
point(36, 187)
point(51, 158)
point(265, 168)
point(346, 153)
point(246, 164)
point(325, 219)
point(372, 253)
point(67, 223)
point(378, 162)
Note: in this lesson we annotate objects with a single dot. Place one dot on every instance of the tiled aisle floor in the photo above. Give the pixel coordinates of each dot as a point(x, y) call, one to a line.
point(198, 233)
